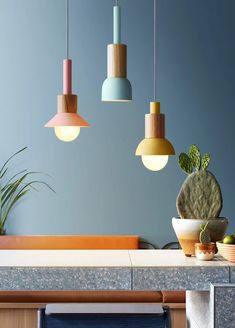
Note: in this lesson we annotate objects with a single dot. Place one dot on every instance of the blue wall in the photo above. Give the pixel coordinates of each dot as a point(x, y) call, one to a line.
point(102, 188)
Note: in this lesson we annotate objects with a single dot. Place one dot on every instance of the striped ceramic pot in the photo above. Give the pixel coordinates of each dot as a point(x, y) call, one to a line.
point(188, 230)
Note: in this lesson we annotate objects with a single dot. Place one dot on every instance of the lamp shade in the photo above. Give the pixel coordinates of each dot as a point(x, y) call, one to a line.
point(155, 142)
point(66, 119)
point(67, 113)
point(116, 89)
point(155, 146)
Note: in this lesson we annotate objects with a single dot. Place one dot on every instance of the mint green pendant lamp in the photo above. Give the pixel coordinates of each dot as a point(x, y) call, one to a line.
point(116, 87)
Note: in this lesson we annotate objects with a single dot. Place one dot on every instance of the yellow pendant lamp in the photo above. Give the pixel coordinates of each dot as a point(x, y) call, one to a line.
point(67, 122)
point(155, 149)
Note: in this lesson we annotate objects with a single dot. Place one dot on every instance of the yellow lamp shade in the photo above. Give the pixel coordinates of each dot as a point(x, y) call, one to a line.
point(155, 146)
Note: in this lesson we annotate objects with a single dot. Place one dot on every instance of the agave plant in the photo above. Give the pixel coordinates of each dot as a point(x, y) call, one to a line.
point(15, 188)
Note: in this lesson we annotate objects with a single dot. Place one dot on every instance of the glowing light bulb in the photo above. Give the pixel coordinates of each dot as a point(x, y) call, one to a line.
point(67, 133)
point(155, 162)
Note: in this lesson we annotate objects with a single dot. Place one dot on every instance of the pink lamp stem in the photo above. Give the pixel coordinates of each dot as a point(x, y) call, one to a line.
point(67, 76)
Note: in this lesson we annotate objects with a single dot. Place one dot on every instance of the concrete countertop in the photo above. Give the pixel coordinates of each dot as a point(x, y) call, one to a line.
point(104, 258)
point(64, 258)
point(109, 270)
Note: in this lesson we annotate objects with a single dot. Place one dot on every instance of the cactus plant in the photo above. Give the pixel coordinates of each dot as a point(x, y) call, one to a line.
point(200, 195)
point(204, 236)
point(195, 157)
point(185, 163)
point(205, 161)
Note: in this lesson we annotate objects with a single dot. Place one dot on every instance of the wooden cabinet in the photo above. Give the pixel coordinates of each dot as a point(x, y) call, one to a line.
point(25, 315)
point(18, 318)
point(15, 315)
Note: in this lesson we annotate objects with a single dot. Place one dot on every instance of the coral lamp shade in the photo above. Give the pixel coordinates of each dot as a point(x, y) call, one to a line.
point(116, 87)
point(67, 122)
point(155, 148)
point(67, 113)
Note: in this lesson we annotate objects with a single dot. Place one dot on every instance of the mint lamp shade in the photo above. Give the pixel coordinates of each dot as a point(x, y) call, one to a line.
point(116, 87)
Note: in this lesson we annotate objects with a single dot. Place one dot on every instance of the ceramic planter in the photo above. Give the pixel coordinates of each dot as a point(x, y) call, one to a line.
point(188, 230)
point(205, 252)
point(227, 251)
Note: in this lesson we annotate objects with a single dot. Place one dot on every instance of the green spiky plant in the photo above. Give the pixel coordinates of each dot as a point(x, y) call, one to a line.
point(14, 188)
point(200, 196)
point(204, 236)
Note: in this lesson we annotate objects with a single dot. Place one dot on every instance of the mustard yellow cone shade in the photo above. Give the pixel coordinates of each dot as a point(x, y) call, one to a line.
point(155, 146)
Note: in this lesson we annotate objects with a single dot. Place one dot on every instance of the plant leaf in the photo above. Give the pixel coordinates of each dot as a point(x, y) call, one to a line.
point(12, 189)
point(206, 161)
point(195, 156)
point(185, 163)
point(39, 182)
point(13, 177)
point(8, 160)
point(13, 202)
point(3, 173)
point(15, 197)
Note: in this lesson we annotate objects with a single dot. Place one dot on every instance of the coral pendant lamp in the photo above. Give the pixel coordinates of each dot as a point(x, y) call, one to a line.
point(116, 87)
point(67, 122)
point(155, 149)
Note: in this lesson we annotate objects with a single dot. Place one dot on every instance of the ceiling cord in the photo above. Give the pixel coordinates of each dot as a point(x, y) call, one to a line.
point(154, 49)
point(67, 29)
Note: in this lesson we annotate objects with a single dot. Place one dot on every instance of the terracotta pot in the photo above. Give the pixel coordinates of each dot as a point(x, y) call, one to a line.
point(188, 230)
point(205, 252)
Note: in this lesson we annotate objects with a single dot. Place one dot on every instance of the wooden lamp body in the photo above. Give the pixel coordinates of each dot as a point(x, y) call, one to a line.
point(154, 142)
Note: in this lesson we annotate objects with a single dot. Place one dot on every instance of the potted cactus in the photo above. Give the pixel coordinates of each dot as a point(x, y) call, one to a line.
point(199, 200)
point(205, 250)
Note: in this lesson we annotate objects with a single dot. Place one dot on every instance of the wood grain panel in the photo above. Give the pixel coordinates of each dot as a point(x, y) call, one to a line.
point(117, 60)
point(18, 318)
point(80, 297)
point(178, 318)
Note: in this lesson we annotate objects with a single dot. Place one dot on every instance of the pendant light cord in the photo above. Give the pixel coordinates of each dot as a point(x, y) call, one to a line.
point(116, 3)
point(154, 50)
point(67, 29)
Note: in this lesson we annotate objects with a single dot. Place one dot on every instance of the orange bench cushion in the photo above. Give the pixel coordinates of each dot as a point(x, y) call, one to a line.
point(69, 242)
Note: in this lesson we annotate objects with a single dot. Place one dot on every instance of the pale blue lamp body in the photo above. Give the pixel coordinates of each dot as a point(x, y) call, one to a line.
point(116, 88)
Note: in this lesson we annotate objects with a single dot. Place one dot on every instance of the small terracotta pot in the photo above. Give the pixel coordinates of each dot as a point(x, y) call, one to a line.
point(205, 252)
